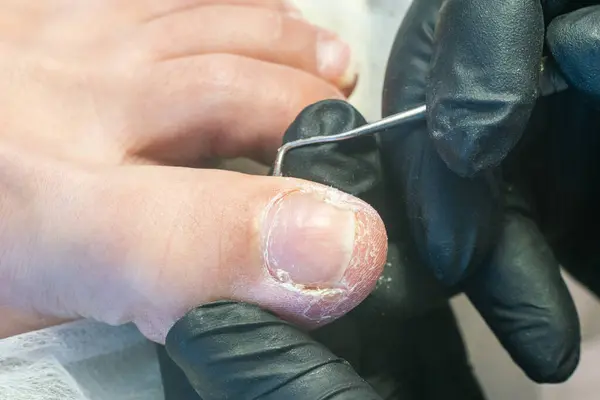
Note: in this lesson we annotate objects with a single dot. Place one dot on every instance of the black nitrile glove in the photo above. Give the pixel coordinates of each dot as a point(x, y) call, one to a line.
point(403, 339)
point(567, 190)
point(488, 220)
point(230, 350)
point(484, 66)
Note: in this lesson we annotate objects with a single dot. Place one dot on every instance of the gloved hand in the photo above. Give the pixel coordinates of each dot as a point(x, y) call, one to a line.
point(403, 339)
point(230, 350)
point(567, 191)
point(479, 218)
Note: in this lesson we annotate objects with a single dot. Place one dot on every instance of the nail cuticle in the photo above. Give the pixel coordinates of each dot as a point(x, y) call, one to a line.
point(309, 240)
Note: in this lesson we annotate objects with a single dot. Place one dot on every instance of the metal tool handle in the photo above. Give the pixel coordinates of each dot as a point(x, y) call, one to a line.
point(392, 120)
point(551, 81)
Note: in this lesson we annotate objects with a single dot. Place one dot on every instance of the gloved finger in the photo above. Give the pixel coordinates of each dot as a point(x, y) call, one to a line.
point(444, 370)
point(175, 384)
point(404, 359)
point(352, 166)
point(453, 220)
point(162, 240)
point(484, 79)
point(574, 40)
point(237, 350)
point(524, 300)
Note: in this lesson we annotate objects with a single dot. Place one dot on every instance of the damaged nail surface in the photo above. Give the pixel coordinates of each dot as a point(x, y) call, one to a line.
point(323, 241)
point(309, 241)
point(322, 252)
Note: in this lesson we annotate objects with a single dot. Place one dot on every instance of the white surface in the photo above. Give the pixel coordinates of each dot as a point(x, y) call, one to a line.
point(79, 361)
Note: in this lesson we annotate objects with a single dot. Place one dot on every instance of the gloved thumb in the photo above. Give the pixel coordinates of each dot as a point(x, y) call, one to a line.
point(239, 351)
point(145, 244)
point(574, 40)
